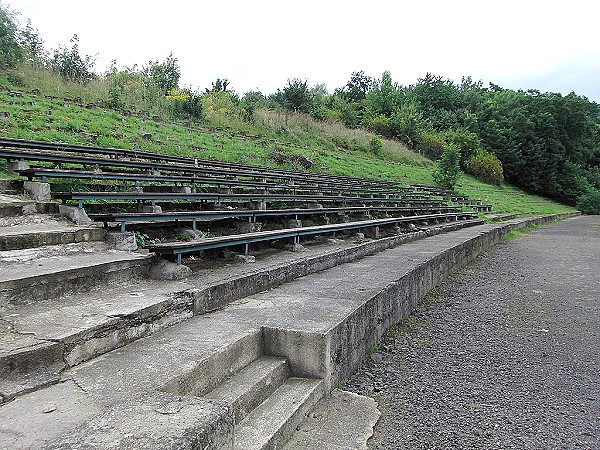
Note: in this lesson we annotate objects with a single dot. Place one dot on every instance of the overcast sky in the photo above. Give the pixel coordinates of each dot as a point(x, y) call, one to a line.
point(259, 44)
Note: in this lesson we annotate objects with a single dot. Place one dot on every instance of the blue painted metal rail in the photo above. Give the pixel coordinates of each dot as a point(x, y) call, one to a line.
point(178, 249)
point(253, 214)
point(153, 197)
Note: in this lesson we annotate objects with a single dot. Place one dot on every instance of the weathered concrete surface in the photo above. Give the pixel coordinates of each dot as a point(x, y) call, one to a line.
point(326, 323)
point(36, 230)
point(31, 275)
point(121, 241)
point(193, 357)
point(37, 190)
point(11, 205)
point(342, 421)
point(322, 323)
point(167, 270)
point(275, 420)
point(248, 388)
point(76, 215)
point(156, 421)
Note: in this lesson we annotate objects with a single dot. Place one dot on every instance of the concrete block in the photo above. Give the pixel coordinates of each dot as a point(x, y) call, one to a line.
point(372, 232)
point(13, 166)
point(311, 205)
point(323, 220)
point(167, 270)
point(74, 214)
point(188, 234)
point(238, 257)
point(293, 223)
point(260, 206)
point(122, 241)
point(248, 227)
point(37, 190)
point(181, 189)
point(155, 209)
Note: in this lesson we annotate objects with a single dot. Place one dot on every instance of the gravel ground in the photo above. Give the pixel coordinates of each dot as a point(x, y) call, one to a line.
point(505, 354)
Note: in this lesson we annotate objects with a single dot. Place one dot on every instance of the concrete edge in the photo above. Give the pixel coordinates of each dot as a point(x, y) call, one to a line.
point(218, 295)
point(337, 353)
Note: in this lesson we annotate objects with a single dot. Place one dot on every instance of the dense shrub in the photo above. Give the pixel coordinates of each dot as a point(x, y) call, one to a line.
point(430, 144)
point(589, 203)
point(379, 124)
point(10, 51)
point(375, 143)
point(406, 123)
point(184, 102)
point(485, 166)
point(448, 167)
point(467, 142)
point(71, 65)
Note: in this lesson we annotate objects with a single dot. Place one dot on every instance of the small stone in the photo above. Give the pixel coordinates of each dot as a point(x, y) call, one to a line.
point(50, 407)
point(169, 408)
point(377, 357)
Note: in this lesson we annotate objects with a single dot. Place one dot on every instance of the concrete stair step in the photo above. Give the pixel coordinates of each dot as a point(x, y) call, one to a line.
point(195, 356)
point(32, 275)
point(49, 232)
point(11, 187)
point(248, 388)
point(13, 205)
point(39, 341)
point(274, 421)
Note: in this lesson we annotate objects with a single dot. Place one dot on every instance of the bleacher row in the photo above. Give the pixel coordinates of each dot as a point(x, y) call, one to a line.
point(173, 189)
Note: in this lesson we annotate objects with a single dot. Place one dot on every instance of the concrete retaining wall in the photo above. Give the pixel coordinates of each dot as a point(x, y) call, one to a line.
point(335, 355)
point(218, 295)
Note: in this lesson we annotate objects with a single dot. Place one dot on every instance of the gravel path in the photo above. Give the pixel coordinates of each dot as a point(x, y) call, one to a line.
point(505, 354)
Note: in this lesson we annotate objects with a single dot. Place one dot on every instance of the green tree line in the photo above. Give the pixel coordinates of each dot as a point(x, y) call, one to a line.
point(545, 143)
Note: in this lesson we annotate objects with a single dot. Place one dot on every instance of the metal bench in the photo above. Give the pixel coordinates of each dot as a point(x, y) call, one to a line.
point(178, 249)
point(217, 198)
point(194, 216)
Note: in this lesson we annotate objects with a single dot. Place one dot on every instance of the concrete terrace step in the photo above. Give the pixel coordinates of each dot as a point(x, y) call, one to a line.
point(249, 387)
point(274, 421)
point(31, 275)
point(195, 356)
point(42, 339)
point(11, 205)
point(45, 232)
point(39, 341)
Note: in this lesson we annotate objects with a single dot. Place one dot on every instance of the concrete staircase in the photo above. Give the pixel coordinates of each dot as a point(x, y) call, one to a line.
point(94, 354)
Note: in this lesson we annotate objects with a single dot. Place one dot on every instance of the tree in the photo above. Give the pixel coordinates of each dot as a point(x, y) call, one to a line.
point(10, 50)
point(165, 75)
point(448, 168)
point(357, 87)
point(220, 85)
point(296, 95)
point(71, 66)
point(32, 44)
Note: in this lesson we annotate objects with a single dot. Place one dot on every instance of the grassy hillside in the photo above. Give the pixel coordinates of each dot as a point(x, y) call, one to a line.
point(274, 138)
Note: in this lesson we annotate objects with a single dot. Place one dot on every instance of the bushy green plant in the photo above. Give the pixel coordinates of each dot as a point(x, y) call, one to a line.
point(10, 50)
point(486, 167)
point(163, 75)
point(467, 142)
point(406, 123)
point(185, 103)
point(448, 167)
point(71, 65)
point(375, 143)
point(379, 124)
point(589, 203)
point(430, 144)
